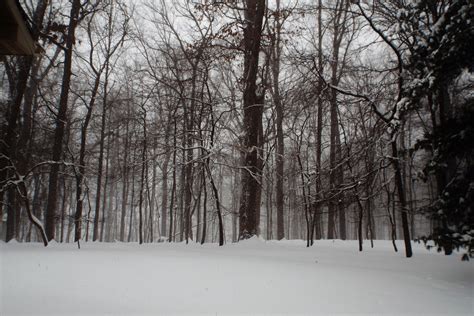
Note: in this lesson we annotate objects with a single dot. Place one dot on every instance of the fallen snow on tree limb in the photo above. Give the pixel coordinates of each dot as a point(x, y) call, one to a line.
point(252, 276)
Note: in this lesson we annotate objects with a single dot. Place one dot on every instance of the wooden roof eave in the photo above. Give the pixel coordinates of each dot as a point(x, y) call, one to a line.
point(15, 35)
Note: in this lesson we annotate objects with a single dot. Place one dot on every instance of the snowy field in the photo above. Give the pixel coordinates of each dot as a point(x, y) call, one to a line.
point(249, 277)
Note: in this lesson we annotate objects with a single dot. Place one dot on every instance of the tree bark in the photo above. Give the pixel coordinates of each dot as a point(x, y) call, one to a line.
point(253, 111)
point(51, 207)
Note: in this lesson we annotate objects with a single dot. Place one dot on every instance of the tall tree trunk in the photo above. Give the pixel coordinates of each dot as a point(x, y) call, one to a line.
point(103, 126)
point(173, 187)
point(253, 110)
point(340, 180)
point(339, 22)
point(280, 149)
point(143, 179)
point(332, 209)
point(189, 125)
point(125, 180)
point(51, 206)
point(319, 130)
point(152, 200)
point(104, 196)
point(182, 187)
point(333, 164)
point(98, 194)
point(164, 196)
point(80, 175)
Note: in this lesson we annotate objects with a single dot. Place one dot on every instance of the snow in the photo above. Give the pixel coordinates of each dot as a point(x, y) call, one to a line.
point(249, 277)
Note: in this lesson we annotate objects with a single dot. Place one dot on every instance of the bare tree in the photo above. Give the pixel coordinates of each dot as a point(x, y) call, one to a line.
point(51, 207)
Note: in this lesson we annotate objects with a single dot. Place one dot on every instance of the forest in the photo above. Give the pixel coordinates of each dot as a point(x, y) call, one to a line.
point(217, 121)
point(219, 157)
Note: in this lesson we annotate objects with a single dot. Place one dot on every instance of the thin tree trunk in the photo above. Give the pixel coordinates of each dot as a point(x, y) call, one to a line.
point(319, 130)
point(340, 181)
point(173, 187)
point(280, 149)
point(391, 216)
point(182, 188)
point(95, 235)
point(152, 201)
point(103, 213)
point(142, 181)
point(164, 196)
point(204, 212)
point(235, 212)
point(125, 182)
point(80, 175)
point(63, 210)
point(269, 204)
point(132, 207)
point(333, 165)
point(107, 235)
point(198, 208)
point(334, 169)
point(401, 198)
point(218, 204)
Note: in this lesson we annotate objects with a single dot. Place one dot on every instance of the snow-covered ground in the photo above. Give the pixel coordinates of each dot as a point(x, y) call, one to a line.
point(249, 277)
